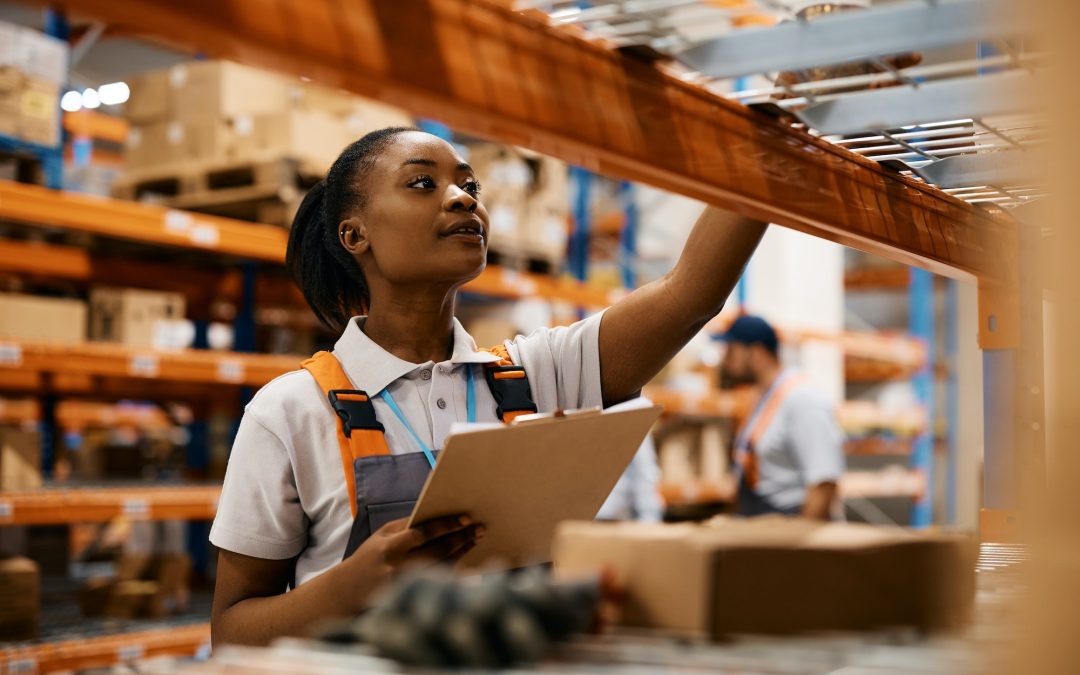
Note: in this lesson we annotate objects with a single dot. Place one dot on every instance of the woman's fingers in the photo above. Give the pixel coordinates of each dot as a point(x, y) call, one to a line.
point(449, 547)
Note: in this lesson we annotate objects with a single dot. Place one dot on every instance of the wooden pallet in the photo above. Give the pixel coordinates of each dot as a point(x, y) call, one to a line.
point(508, 255)
point(260, 190)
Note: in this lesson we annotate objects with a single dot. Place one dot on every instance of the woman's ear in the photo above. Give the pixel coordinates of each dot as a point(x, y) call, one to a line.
point(353, 236)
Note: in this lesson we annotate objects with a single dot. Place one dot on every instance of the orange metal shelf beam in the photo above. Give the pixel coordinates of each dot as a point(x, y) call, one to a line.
point(59, 506)
point(105, 651)
point(853, 416)
point(141, 222)
point(97, 125)
point(95, 359)
point(484, 69)
point(159, 226)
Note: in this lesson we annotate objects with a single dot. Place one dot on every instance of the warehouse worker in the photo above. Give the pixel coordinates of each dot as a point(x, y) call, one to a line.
point(789, 452)
point(329, 459)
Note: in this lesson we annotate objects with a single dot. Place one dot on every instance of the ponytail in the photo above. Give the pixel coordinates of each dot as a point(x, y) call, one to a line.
point(329, 277)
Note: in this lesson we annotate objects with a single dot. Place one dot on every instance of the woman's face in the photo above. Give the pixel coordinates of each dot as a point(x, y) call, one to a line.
point(423, 221)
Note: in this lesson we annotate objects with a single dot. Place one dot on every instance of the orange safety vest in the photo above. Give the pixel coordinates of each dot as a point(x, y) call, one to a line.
point(360, 434)
point(746, 454)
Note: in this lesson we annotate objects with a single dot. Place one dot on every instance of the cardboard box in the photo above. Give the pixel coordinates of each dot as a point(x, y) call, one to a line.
point(29, 317)
point(151, 98)
point(20, 459)
point(129, 315)
point(41, 56)
point(20, 599)
point(221, 89)
point(311, 137)
point(775, 575)
point(39, 112)
point(159, 144)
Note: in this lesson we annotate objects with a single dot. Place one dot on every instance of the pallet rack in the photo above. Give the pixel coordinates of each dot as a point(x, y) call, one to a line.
point(555, 90)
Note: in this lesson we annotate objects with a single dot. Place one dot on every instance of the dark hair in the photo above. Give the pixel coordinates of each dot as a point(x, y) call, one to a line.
point(332, 282)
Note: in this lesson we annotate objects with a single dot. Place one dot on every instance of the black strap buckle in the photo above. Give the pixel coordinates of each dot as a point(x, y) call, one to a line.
point(511, 394)
point(354, 414)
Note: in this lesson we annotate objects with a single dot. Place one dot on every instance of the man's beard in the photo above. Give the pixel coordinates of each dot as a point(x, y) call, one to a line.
point(729, 381)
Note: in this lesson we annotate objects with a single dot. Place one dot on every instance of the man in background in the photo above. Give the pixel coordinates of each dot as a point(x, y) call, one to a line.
point(789, 453)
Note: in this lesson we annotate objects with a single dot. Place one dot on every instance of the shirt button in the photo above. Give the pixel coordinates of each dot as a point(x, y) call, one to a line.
point(441, 403)
point(425, 374)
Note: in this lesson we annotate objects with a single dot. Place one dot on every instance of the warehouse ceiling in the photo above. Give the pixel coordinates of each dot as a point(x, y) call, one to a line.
point(939, 90)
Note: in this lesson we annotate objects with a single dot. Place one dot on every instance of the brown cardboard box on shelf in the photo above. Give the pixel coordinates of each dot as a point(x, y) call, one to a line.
point(11, 87)
point(506, 179)
point(312, 137)
point(158, 144)
point(20, 459)
point(151, 98)
point(221, 89)
point(144, 586)
point(775, 575)
point(130, 315)
point(29, 317)
point(39, 112)
point(20, 599)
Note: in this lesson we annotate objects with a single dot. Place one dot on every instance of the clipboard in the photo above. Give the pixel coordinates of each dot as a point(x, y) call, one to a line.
point(522, 480)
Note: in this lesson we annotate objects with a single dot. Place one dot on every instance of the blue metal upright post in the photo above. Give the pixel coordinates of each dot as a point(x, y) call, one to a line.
point(921, 326)
point(628, 236)
point(581, 185)
point(52, 159)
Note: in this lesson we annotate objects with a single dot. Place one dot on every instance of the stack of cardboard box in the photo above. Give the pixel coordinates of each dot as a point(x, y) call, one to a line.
point(33, 68)
point(217, 112)
point(527, 199)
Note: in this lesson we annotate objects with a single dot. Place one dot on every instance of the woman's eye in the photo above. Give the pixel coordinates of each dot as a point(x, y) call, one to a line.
point(472, 187)
point(424, 182)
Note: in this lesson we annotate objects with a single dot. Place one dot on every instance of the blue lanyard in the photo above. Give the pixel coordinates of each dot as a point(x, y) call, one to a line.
point(470, 404)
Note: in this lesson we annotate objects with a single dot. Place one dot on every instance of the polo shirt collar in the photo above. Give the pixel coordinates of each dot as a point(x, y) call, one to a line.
point(371, 368)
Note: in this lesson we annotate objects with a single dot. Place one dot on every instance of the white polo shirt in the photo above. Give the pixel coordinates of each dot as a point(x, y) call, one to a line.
point(284, 493)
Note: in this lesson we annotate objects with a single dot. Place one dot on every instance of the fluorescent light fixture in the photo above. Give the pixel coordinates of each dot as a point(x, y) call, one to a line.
point(114, 93)
point(91, 99)
point(71, 101)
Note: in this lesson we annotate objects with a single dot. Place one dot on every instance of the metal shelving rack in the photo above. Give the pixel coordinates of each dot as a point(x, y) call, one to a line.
point(610, 101)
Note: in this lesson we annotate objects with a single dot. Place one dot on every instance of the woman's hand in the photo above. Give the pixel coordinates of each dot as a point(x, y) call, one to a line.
point(395, 547)
point(252, 607)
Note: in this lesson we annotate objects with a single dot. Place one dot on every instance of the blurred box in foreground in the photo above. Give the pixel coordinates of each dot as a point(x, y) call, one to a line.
point(775, 575)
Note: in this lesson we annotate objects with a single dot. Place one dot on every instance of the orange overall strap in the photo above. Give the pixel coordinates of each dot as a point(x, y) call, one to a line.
point(761, 425)
point(355, 442)
point(509, 386)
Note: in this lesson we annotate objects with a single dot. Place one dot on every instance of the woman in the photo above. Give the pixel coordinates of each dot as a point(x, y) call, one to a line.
point(392, 233)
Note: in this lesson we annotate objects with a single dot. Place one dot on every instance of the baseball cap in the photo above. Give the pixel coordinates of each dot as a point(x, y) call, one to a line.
point(751, 330)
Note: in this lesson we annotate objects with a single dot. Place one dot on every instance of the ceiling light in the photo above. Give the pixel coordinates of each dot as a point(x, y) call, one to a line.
point(90, 99)
point(114, 93)
point(71, 101)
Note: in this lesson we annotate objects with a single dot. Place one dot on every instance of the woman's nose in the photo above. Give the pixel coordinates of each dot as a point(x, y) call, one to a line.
point(460, 200)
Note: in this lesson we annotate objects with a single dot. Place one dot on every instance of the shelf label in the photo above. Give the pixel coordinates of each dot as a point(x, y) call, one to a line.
point(7, 511)
point(230, 370)
point(137, 508)
point(144, 365)
point(10, 354)
point(205, 235)
point(130, 653)
point(25, 665)
point(178, 222)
